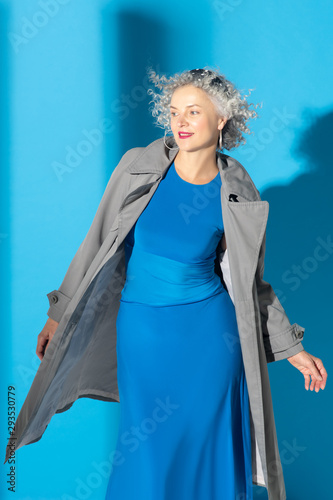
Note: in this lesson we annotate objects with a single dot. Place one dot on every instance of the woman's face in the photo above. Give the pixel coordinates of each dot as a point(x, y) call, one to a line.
point(194, 120)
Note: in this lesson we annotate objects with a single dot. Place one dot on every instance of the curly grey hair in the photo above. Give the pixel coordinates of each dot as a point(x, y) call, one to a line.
point(227, 99)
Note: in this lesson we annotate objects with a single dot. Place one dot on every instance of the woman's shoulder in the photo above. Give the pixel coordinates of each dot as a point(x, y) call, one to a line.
point(131, 154)
point(135, 153)
point(238, 178)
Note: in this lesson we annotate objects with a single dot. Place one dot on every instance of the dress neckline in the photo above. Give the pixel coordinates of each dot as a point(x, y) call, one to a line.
point(192, 183)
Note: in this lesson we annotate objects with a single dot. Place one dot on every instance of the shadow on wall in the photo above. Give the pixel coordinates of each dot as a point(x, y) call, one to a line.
point(132, 42)
point(141, 43)
point(299, 264)
point(300, 232)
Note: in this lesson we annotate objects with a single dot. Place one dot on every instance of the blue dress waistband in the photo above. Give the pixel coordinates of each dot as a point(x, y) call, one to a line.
point(157, 280)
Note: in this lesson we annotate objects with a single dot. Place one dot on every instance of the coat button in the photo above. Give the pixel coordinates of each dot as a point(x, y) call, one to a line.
point(300, 334)
point(54, 299)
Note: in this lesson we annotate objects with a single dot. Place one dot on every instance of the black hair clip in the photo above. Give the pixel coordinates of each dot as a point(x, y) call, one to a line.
point(203, 72)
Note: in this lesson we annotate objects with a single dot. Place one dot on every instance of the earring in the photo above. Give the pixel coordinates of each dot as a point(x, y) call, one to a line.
point(220, 141)
point(166, 144)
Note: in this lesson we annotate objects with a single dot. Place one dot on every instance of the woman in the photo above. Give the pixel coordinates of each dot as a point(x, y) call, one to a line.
point(196, 415)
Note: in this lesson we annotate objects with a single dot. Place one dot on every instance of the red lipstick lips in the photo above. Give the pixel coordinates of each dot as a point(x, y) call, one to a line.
point(184, 135)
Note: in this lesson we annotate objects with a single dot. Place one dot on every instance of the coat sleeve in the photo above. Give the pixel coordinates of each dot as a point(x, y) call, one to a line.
point(107, 211)
point(281, 339)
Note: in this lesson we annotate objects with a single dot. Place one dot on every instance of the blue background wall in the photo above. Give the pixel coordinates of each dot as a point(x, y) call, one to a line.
point(73, 99)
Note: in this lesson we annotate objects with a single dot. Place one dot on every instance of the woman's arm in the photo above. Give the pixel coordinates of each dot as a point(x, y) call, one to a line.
point(281, 339)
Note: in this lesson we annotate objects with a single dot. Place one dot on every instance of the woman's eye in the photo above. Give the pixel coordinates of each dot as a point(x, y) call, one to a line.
point(174, 113)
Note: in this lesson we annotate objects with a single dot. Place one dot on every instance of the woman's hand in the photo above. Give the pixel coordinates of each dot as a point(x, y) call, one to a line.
point(45, 336)
point(310, 365)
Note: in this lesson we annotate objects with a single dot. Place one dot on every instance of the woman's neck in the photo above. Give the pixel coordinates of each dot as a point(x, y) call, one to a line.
point(197, 166)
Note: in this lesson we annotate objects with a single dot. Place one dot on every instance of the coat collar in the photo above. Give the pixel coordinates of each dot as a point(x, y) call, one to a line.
point(155, 158)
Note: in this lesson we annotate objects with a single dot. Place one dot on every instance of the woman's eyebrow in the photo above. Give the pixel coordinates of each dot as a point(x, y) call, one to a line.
point(189, 106)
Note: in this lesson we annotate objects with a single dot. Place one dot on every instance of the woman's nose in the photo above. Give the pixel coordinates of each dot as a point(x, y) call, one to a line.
point(181, 120)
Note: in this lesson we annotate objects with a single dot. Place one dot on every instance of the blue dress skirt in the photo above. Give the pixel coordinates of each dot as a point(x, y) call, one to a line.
point(184, 410)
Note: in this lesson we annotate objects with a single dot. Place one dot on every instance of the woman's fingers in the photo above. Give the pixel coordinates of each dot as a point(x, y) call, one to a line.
point(310, 366)
point(318, 374)
point(45, 336)
point(42, 340)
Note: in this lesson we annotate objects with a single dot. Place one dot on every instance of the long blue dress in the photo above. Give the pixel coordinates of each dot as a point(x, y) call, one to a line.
point(184, 411)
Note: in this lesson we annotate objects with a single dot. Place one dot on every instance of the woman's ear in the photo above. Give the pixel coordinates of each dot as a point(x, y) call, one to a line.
point(222, 121)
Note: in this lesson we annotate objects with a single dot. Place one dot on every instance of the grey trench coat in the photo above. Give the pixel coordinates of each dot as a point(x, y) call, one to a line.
point(81, 357)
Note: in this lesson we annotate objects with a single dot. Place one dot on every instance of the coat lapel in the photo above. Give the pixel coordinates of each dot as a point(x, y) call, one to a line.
point(245, 225)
